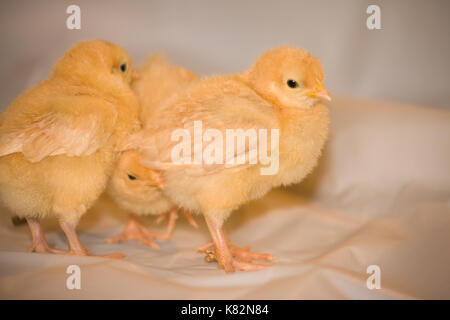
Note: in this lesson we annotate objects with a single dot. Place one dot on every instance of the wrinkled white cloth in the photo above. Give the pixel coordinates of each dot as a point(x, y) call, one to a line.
point(380, 196)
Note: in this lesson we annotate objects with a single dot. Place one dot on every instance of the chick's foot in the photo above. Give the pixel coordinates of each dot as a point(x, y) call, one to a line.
point(229, 257)
point(77, 248)
point(243, 254)
point(39, 243)
point(135, 231)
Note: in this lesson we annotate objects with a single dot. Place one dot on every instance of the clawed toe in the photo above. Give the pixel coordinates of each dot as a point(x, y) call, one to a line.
point(246, 255)
point(110, 256)
point(242, 254)
point(240, 259)
point(248, 266)
point(44, 248)
point(135, 231)
point(138, 236)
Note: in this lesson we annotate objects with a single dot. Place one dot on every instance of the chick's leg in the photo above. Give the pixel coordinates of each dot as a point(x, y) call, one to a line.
point(173, 216)
point(39, 243)
point(190, 219)
point(76, 247)
point(230, 258)
point(135, 231)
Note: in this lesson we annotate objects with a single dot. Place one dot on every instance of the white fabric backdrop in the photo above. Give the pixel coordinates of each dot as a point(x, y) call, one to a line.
point(407, 61)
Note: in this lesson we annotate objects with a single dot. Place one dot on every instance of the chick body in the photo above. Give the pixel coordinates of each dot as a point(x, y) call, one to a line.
point(256, 99)
point(59, 140)
point(158, 80)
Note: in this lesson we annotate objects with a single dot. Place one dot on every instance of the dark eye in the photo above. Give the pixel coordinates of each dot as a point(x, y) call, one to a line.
point(123, 67)
point(131, 177)
point(292, 83)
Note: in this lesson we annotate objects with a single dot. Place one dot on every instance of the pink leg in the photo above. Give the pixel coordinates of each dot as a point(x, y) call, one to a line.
point(173, 216)
point(161, 217)
point(76, 247)
point(135, 231)
point(39, 243)
point(227, 257)
point(189, 218)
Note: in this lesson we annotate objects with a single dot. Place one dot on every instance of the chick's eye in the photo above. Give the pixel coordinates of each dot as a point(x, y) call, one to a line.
point(131, 177)
point(123, 67)
point(292, 83)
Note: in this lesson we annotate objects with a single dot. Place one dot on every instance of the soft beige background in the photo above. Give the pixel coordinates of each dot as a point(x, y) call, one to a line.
point(381, 194)
point(406, 61)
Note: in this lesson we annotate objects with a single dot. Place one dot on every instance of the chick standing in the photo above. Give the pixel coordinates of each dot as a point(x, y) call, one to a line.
point(133, 186)
point(59, 140)
point(281, 91)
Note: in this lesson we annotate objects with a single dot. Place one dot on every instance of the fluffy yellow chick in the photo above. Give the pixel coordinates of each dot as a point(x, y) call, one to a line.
point(158, 79)
point(59, 140)
point(137, 189)
point(281, 91)
point(133, 186)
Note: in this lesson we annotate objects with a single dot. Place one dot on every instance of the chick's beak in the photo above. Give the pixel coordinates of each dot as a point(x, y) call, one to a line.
point(322, 93)
point(157, 182)
point(160, 184)
point(135, 75)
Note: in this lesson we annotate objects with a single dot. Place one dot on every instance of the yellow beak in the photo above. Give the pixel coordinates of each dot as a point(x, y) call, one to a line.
point(157, 184)
point(321, 93)
point(160, 184)
point(135, 75)
point(155, 179)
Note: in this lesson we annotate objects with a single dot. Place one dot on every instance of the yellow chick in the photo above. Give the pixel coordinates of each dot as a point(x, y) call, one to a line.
point(158, 79)
point(133, 186)
point(281, 94)
point(59, 140)
point(137, 189)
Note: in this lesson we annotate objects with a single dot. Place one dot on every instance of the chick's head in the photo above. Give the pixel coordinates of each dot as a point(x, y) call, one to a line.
point(289, 77)
point(95, 61)
point(131, 179)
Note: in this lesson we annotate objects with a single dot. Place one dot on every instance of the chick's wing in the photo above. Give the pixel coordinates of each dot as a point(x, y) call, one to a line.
point(226, 107)
point(74, 126)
